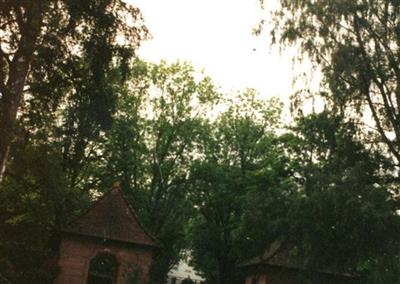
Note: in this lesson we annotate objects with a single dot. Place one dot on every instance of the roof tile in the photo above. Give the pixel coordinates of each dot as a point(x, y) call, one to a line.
point(112, 218)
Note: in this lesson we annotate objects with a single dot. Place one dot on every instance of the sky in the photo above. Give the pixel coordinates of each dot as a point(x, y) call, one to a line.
point(216, 36)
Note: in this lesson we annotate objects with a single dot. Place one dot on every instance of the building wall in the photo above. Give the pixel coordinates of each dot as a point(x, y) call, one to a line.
point(76, 254)
point(271, 279)
point(292, 277)
point(182, 271)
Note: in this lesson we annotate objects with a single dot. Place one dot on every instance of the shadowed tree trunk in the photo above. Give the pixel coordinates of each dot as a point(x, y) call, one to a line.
point(14, 70)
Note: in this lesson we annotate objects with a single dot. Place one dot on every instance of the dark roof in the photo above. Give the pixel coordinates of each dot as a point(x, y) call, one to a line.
point(281, 254)
point(111, 218)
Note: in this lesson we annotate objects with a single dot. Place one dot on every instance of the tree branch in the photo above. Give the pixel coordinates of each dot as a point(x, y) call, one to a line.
point(381, 85)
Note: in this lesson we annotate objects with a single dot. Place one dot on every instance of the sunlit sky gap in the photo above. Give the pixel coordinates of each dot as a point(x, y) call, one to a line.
point(216, 36)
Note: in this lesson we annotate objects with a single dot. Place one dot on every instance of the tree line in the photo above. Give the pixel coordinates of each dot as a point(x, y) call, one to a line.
point(217, 174)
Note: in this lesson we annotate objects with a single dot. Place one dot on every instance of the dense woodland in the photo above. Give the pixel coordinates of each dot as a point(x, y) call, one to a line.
point(219, 174)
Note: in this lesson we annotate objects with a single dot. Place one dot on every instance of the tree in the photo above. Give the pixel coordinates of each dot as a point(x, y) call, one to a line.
point(234, 149)
point(47, 36)
point(344, 216)
point(151, 146)
point(36, 201)
point(66, 107)
point(356, 43)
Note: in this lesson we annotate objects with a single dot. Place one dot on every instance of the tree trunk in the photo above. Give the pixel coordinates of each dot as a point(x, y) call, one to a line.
point(12, 90)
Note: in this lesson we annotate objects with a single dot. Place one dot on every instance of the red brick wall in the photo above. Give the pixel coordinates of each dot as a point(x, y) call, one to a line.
point(76, 254)
point(293, 277)
point(274, 278)
point(261, 279)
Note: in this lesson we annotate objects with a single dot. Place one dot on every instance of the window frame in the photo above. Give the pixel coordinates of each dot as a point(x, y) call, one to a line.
point(93, 274)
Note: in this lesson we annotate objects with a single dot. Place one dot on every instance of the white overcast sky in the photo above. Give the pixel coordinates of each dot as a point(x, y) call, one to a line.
point(216, 36)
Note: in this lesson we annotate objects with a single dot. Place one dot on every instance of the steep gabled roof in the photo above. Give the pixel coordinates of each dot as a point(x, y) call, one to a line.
point(282, 254)
point(111, 218)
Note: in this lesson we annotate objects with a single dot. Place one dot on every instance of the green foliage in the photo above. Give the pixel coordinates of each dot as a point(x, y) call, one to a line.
point(223, 185)
point(36, 202)
point(150, 148)
point(346, 180)
point(345, 215)
point(70, 48)
point(77, 64)
point(234, 150)
point(356, 44)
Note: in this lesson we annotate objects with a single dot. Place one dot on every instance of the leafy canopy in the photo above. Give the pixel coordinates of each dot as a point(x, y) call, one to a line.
point(356, 44)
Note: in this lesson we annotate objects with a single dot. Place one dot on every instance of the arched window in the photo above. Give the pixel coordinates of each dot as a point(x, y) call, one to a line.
point(102, 270)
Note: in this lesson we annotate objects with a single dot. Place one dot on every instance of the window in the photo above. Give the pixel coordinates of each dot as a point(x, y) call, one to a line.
point(102, 269)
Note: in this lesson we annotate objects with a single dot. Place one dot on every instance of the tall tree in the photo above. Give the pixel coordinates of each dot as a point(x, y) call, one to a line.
point(54, 32)
point(344, 216)
point(151, 146)
point(357, 45)
point(35, 201)
point(69, 97)
point(233, 149)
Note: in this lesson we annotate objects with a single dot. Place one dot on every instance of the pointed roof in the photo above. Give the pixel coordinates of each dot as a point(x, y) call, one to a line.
point(112, 218)
point(283, 254)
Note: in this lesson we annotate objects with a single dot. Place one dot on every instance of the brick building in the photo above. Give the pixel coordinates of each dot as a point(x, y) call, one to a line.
point(106, 245)
point(281, 264)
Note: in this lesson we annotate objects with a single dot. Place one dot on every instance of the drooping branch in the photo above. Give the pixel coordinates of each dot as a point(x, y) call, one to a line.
point(380, 85)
